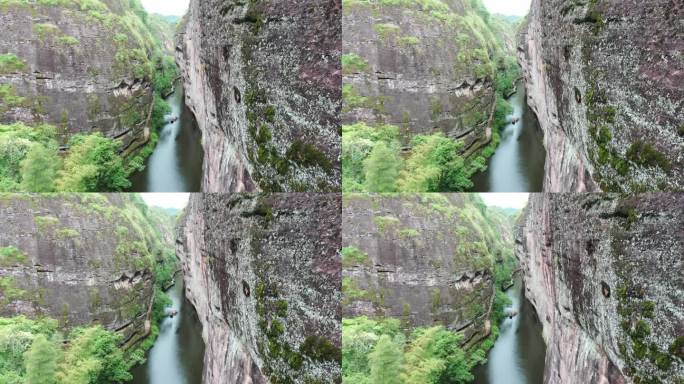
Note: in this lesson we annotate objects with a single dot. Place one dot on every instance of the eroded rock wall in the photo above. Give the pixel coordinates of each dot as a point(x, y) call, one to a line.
point(425, 259)
point(421, 68)
point(263, 80)
point(82, 70)
point(263, 272)
point(604, 274)
point(78, 258)
point(605, 80)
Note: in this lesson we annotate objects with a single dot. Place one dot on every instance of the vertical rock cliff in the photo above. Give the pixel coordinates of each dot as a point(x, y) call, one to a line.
point(425, 67)
point(605, 80)
point(263, 79)
point(604, 274)
point(424, 259)
point(80, 258)
point(263, 272)
point(81, 66)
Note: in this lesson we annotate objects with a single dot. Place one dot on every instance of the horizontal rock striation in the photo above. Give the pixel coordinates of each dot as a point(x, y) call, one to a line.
point(424, 259)
point(80, 258)
point(604, 274)
point(263, 272)
point(423, 69)
point(263, 80)
point(604, 78)
point(82, 69)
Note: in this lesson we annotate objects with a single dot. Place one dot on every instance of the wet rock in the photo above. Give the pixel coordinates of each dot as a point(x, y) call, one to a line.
point(604, 274)
point(605, 80)
point(263, 80)
point(263, 272)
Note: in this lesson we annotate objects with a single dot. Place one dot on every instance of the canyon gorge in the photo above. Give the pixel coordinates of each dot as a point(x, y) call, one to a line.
point(252, 288)
point(604, 78)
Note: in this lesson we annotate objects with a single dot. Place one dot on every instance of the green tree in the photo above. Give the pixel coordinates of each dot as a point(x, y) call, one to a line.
point(93, 165)
point(39, 169)
point(382, 168)
point(386, 361)
point(435, 166)
point(41, 361)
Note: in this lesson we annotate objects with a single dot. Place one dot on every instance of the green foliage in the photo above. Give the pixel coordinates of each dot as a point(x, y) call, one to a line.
point(434, 166)
point(353, 256)
point(10, 63)
point(385, 361)
point(31, 351)
point(375, 351)
point(93, 164)
point(41, 361)
point(381, 168)
point(39, 169)
point(646, 155)
point(11, 256)
point(353, 63)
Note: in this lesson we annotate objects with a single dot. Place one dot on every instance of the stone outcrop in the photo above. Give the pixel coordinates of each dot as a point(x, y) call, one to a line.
point(263, 80)
point(604, 78)
point(80, 258)
point(604, 274)
point(424, 69)
point(424, 259)
point(263, 272)
point(82, 69)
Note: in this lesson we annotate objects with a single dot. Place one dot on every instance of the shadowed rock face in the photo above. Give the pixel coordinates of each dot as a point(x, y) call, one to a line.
point(605, 79)
point(417, 71)
point(420, 258)
point(263, 272)
point(604, 274)
point(76, 71)
point(263, 79)
point(77, 258)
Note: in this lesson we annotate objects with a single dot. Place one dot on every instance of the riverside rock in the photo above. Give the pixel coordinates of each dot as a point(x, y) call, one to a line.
point(605, 80)
point(604, 274)
point(263, 80)
point(263, 273)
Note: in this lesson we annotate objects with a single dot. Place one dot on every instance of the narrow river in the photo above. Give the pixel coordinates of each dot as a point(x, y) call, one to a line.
point(177, 355)
point(518, 163)
point(176, 163)
point(518, 354)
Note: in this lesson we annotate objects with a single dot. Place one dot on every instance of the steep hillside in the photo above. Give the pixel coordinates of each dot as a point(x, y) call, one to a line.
point(605, 79)
point(263, 272)
point(263, 79)
point(604, 274)
point(81, 66)
point(423, 260)
point(80, 258)
point(416, 68)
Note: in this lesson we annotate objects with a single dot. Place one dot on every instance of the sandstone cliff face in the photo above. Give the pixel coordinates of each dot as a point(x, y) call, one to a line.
point(263, 79)
point(79, 258)
point(604, 274)
point(423, 69)
point(82, 69)
point(424, 259)
point(263, 272)
point(604, 78)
